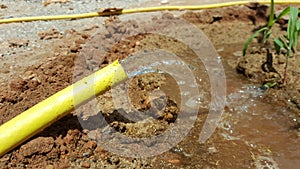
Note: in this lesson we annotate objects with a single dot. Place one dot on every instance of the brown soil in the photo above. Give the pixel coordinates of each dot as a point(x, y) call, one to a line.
point(65, 144)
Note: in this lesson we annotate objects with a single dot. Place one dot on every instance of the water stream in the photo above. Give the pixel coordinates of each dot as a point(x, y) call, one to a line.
point(263, 126)
point(256, 127)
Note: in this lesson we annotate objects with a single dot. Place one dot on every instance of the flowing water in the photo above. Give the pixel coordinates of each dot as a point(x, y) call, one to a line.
point(253, 131)
point(262, 126)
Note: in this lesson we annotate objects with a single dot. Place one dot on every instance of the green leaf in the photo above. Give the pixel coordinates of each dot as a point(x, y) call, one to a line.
point(296, 34)
point(255, 34)
point(292, 24)
point(271, 18)
point(295, 41)
point(292, 29)
point(267, 34)
point(279, 43)
point(286, 11)
point(298, 25)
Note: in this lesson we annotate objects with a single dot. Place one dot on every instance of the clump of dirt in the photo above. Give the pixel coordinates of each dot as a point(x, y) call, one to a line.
point(151, 111)
point(41, 80)
point(50, 34)
point(18, 43)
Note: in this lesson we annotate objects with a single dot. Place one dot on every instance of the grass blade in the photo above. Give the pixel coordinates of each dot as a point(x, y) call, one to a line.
point(298, 25)
point(279, 43)
point(295, 41)
point(292, 24)
point(255, 34)
point(286, 11)
point(271, 18)
point(292, 31)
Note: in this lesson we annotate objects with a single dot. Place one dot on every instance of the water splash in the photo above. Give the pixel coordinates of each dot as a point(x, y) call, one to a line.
point(200, 100)
point(143, 70)
point(243, 99)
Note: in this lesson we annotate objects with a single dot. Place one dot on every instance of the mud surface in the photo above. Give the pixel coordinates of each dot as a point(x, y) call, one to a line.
point(58, 62)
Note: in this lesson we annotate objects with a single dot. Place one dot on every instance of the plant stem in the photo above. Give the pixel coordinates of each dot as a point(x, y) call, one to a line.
point(285, 67)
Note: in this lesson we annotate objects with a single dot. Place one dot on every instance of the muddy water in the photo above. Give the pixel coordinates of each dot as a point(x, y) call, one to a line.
point(263, 127)
point(252, 133)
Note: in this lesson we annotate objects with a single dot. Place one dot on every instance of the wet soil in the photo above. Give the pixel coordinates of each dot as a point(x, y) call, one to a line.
point(69, 144)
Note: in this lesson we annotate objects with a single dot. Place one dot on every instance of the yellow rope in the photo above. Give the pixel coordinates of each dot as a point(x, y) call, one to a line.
point(138, 10)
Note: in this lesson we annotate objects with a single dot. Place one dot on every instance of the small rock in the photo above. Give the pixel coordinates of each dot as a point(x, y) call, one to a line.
point(90, 145)
point(169, 116)
point(167, 15)
point(4, 159)
point(2, 6)
point(50, 34)
point(283, 51)
point(238, 53)
point(212, 150)
point(18, 42)
point(174, 161)
point(99, 151)
point(264, 50)
point(220, 49)
point(86, 165)
point(86, 154)
point(137, 43)
point(281, 59)
point(39, 145)
point(164, 2)
point(71, 136)
point(173, 158)
point(49, 167)
point(63, 149)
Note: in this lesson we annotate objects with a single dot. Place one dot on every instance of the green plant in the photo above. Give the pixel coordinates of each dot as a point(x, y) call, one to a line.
point(288, 42)
point(266, 30)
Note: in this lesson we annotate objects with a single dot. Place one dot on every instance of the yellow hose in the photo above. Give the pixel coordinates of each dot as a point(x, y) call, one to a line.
point(42, 115)
point(138, 10)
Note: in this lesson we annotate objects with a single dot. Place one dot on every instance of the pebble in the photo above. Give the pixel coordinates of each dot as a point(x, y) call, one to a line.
point(281, 59)
point(238, 53)
point(212, 150)
point(86, 165)
point(4, 159)
point(86, 154)
point(2, 6)
point(49, 167)
point(164, 2)
point(40, 145)
point(90, 145)
point(174, 161)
